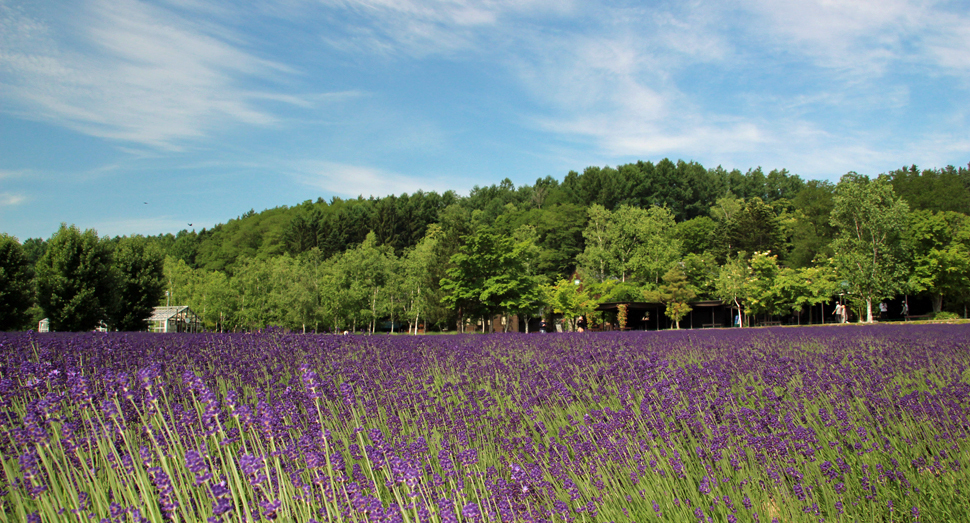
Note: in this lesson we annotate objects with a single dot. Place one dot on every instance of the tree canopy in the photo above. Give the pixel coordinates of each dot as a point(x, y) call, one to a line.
point(749, 238)
point(75, 280)
point(16, 284)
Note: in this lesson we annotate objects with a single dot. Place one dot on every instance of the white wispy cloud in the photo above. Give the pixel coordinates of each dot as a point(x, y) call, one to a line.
point(7, 174)
point(131, 71)
point(868, 37)
point(430, 27)
point(861, 35)
point(8, 199)
point(358, 180)
point(625, 85)
point(618, 89)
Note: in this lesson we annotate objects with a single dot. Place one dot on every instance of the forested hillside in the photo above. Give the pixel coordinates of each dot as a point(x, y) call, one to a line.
point(638, 231)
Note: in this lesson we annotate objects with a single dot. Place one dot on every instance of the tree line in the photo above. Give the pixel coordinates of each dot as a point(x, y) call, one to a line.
point(668, 232)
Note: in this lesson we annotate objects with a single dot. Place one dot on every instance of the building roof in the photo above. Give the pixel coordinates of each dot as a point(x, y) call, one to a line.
point(166, 313)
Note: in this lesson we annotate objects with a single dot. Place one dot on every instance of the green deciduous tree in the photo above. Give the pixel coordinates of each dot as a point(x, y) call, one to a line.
point(941, 254)
point(138, 267)
point(641, 243)
point(697, 235)
point(418, 275)
point(813, 231)
point(487, 276)
point(761, 291)
point(675, 293)
point(701, 271)
point(530, 299)
point(16, 285)
point(597, 260)
point(214, 301)
point(806, 286)
point(360, 276)
point(75, 280)
point(746, 226)
point(732, 285)
point(871, 222)
point(570, 299)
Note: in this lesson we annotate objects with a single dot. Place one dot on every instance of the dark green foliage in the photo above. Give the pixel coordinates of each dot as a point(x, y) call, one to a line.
point(556, 210)
point(697, 235)
point(16, 288)
point(757, 228)
point(701, 272)
point(251, 235)
point(753, 228)
point(813, 231)
point(687, 189)
point(140, 281)
point(75, 280)
point(302, 232)
point(606, 186)
point(186, 246)
point(939, 244)
point(486, 276)
point(775, 186)
point(933, 190)
point(34, 249)
point(560, 236)
point(492, 200)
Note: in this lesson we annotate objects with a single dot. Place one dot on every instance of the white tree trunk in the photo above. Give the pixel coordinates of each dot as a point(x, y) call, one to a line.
point(417, 314)
point(373, 312)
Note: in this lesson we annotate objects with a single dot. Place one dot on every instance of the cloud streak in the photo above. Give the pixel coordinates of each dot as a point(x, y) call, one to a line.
point(671, 81)
point(430, 27)
point(8, 199)
point(131, 72)
point(357, 180)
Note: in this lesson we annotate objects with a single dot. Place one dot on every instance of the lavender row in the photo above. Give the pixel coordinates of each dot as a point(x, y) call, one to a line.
point(813, 424)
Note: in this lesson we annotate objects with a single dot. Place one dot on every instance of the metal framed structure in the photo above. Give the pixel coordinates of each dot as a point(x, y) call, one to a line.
point(179, 318)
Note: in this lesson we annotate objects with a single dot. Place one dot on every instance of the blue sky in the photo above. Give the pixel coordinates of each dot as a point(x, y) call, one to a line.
point(205, 109)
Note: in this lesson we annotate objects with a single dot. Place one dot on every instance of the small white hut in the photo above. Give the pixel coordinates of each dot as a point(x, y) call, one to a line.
point(179, 318)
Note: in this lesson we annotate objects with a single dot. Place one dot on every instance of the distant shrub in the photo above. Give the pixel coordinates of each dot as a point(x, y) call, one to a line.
point(944, 315)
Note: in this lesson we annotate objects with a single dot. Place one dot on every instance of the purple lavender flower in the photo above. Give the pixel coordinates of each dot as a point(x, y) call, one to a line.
point(348, 393)
point(270, 508)
point(166, 498)
point(311, 381)
point(468, 457)
point(705, 485)
point(249, 464)
point(470, 511)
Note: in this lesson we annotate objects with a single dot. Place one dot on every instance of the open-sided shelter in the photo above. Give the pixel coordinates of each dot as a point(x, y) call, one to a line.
point(179, 318)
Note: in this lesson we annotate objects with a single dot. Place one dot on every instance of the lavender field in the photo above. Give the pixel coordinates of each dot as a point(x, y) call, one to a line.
point(839, 423)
